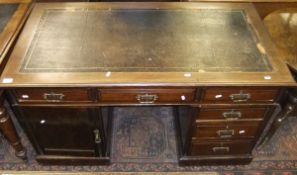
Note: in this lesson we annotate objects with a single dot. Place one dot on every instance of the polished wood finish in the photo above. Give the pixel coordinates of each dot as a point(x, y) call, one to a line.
point(232, 113)
point(80, 131)
point(230, 125)
point(147, 95)
point(80, 135)
point(58, 95)
point(224, 123)
point(223, 97)
point(221, 148)
point(225, 130)
point(239, 95)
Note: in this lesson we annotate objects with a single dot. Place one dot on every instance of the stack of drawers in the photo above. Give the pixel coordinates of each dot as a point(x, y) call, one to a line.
point(229, 121)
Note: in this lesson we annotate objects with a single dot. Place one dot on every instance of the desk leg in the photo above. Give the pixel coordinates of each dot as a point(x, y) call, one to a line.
point(9, 131)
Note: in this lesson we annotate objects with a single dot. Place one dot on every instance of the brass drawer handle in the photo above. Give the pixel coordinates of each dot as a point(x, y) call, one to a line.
point(241, 97)
point(97, 136)
point(147, 98)
point(53, 97)
point(232, 115)
point(225, 133)
point(221, 149)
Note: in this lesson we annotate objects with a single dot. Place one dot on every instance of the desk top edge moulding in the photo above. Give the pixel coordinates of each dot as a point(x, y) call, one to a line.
point(126, 44)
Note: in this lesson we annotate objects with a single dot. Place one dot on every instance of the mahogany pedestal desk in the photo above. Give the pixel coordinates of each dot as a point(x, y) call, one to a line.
point(212, 62)
point(12, 15)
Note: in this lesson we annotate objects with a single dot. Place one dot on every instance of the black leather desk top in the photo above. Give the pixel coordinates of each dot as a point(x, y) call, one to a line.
point(144, 40)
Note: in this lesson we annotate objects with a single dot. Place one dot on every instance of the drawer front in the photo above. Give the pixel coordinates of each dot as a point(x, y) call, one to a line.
point(221, 148)
point(147, 96)
point(226, 130)
point(55, 95)
point(239, 95)
point(231, 114)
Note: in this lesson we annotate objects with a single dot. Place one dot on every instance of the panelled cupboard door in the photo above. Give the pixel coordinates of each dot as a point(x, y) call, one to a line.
point(64, 130)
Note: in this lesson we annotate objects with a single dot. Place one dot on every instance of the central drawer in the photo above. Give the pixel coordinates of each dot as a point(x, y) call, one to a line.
point(147, 95)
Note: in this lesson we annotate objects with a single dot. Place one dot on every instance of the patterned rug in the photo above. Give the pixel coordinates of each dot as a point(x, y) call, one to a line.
point(154, 127)
point(143, 134)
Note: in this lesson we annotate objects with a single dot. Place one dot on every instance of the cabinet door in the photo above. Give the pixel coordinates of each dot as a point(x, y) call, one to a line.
point(72, 131)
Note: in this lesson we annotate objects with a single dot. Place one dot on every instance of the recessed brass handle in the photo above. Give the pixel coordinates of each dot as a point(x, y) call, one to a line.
point(241, 97)
point(53, 97)
point(221, 149)
point(225, 133)
point(97, 136)
point(232, 115)
point(147, 98)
